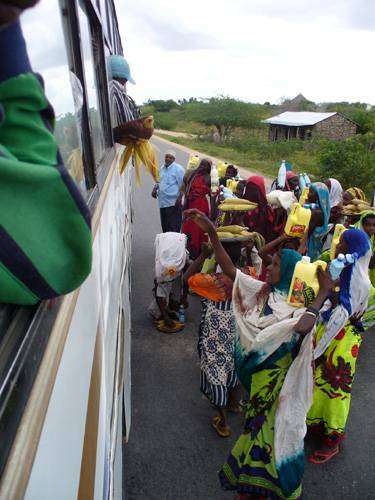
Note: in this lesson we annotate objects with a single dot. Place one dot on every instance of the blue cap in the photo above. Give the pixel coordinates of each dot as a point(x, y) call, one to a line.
point(120, 68)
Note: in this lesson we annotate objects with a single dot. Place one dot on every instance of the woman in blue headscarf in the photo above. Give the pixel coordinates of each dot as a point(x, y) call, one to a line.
point(338, 340)
point(318, 229)
point(268, 458)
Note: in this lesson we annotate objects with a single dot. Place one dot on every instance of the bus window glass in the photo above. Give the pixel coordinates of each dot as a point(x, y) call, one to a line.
point(90, 59)
point(104, 16)
point(48, 57)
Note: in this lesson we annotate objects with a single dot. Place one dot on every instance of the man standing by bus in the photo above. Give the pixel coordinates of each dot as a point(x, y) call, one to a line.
point(167, 192)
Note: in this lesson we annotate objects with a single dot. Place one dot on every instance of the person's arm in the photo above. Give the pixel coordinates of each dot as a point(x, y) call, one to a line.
point(155, 191)
point(264, 253)
point(222, 258)
point(308, 319)
point(196, 266)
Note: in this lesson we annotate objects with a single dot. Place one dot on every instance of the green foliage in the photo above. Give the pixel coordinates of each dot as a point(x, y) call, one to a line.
point(351, 161)
point(225, 113)
point(165, 121)
point(163, 106)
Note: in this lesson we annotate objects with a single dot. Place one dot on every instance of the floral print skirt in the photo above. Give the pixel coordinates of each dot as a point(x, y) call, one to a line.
point(334, 377)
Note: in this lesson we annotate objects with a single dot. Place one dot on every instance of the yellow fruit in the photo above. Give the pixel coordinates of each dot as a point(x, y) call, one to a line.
point(238, 201)
point(230, 229)
point(236, 207)
point(223, 235)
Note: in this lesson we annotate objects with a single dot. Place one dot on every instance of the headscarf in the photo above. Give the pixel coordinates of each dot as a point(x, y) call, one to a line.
point(315, 242)
point(335, 193)
point(354, 289)
point(289, 175)
point(356, 193)
point(255, 191)
point(289, 259)
point(359, 225)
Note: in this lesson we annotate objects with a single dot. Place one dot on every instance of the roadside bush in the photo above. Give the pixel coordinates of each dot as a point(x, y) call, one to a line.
point(352, 161)
point(165, 121)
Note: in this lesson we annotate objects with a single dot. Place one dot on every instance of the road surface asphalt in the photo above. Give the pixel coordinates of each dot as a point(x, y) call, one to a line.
point(173, 453)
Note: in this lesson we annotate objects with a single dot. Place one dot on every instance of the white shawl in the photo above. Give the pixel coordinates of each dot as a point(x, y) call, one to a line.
point(264, 335)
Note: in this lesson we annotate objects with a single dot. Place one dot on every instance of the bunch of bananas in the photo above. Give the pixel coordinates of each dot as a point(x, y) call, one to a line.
point(356, 207)
point(237, 205)
point(134, 135)
point(241, 233)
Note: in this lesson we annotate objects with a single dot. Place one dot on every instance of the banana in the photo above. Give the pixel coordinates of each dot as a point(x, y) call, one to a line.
point(230, 229)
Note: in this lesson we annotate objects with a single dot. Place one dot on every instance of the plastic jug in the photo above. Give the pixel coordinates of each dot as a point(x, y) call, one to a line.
point(281, 176)
point(214, 179)
point(193, 162)
point(339, 229)
point(181, 314)
point(304, 195)
point(336, 266)
point(232, 184)
point(298, 221)
point(305, 285)
point(222, 168)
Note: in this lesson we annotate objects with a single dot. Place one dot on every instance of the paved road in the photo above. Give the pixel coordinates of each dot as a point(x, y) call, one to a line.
point(173, 453)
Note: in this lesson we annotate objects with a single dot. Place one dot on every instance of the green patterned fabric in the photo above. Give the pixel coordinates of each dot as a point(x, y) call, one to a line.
point(250, 467)
point(334, 376)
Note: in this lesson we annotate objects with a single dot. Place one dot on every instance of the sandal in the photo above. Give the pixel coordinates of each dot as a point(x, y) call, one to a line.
point(322, 456)
point(216, 424)
point(162, 327)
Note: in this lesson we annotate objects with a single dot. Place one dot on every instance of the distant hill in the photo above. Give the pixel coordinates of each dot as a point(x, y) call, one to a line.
point(299, 103)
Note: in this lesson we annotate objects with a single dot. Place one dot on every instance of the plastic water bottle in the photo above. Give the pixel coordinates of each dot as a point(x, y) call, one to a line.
point(337, 265)
point(214, 179)
point(181, 314)
point(350, 258)
point(281, 176)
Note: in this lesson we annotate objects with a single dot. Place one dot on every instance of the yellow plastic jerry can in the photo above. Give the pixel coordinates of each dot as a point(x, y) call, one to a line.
point(232, 184)
point(305, 285)
point(298, 221)
point(222, 168)
point(193, 162)
point(339, 229)
point(304, 195)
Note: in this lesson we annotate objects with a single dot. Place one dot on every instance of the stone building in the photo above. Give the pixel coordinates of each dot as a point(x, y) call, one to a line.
point(306, 124)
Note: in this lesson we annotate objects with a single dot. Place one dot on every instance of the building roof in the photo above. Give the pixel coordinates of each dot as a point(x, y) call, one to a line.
point(298, 118)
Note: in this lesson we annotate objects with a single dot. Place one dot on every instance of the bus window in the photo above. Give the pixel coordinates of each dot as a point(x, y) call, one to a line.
point(90, 60)
point(48, 57)
point(104, 14)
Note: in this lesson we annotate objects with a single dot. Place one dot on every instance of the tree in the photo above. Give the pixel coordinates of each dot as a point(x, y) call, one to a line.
point(163, 106)
point(351, 161)
point(224, 113)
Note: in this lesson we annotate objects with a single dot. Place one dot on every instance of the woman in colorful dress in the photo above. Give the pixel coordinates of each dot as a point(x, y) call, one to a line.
point(196, 189)
point(335, 365)
point(218, 380)
point(267, 460)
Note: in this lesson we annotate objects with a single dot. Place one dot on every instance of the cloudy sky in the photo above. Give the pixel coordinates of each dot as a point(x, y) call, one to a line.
point(256, 50)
